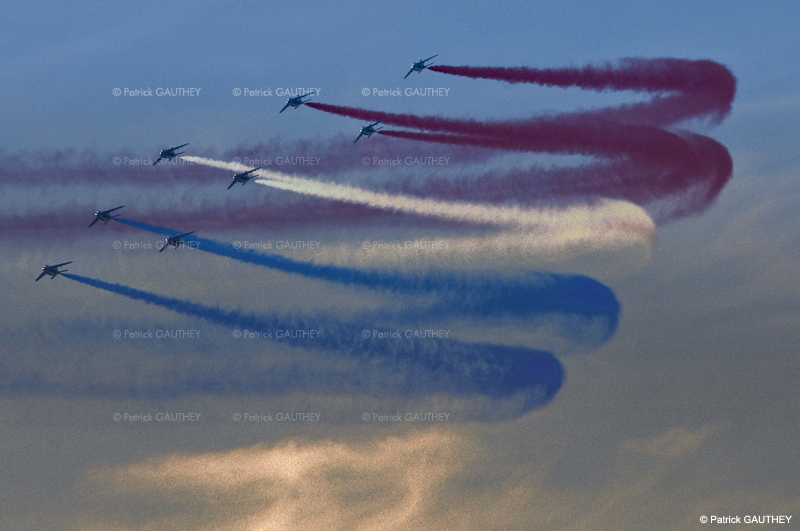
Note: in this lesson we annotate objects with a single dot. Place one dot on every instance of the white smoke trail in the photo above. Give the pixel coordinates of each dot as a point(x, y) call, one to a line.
point(513, 252)
point(605, 224)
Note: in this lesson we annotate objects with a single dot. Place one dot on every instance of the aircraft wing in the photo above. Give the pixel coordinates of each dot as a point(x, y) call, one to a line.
point(162, 249)
point(284, 108)
point(231, 185)
point(178, 147)
point(429, 58)
point(248, 172)
point(182, 235)
point(40, 276)
point(157, 161)
point(59, 265)
point(409, 73)
point(113, 209)
point(93, 222)
point(359, 136)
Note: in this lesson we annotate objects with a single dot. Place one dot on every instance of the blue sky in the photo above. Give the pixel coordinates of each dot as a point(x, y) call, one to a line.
point(685, 409)
point(60, 76)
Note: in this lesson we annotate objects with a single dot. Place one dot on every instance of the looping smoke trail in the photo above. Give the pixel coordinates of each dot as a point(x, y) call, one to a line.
point(519, 377)
point(543, 296)
point(634, 137)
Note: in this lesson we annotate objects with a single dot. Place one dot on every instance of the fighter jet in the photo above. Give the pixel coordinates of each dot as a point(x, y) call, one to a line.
point(169, 154)
point(52, 270)
point(243, 177)
point(175, 241)
point(367, 131)
point(104, 216)
point(420, 65)
point(295, 102)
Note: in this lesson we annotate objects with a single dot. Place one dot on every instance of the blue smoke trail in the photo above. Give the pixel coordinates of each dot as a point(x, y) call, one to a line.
point(523, 378)
point(538, 295)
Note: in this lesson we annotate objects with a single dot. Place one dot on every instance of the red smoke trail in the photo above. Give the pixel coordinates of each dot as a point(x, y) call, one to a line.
point(709, 84)
point(652, 75)
point(646, 162)
point(405, 120)
point(691, 168)
point(300, 157)
point(606, 139)
point(619, 179)
point(566, 134)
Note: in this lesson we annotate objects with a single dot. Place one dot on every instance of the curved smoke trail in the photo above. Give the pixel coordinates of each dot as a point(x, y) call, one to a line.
point(577, 307)
point(646, 162)
point(605, 223)
point(518, 378)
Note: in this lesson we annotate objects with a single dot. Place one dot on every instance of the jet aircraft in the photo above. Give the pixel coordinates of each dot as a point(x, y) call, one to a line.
point(295, 102)
point(104, 216)
point(175, 241)
point(367, 131)
point(243, 177)
point(169, 154)
point(52, 270)
point(420, 65)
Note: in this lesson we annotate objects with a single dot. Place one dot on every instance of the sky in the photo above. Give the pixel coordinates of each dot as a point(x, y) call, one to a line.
point(517, 306)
